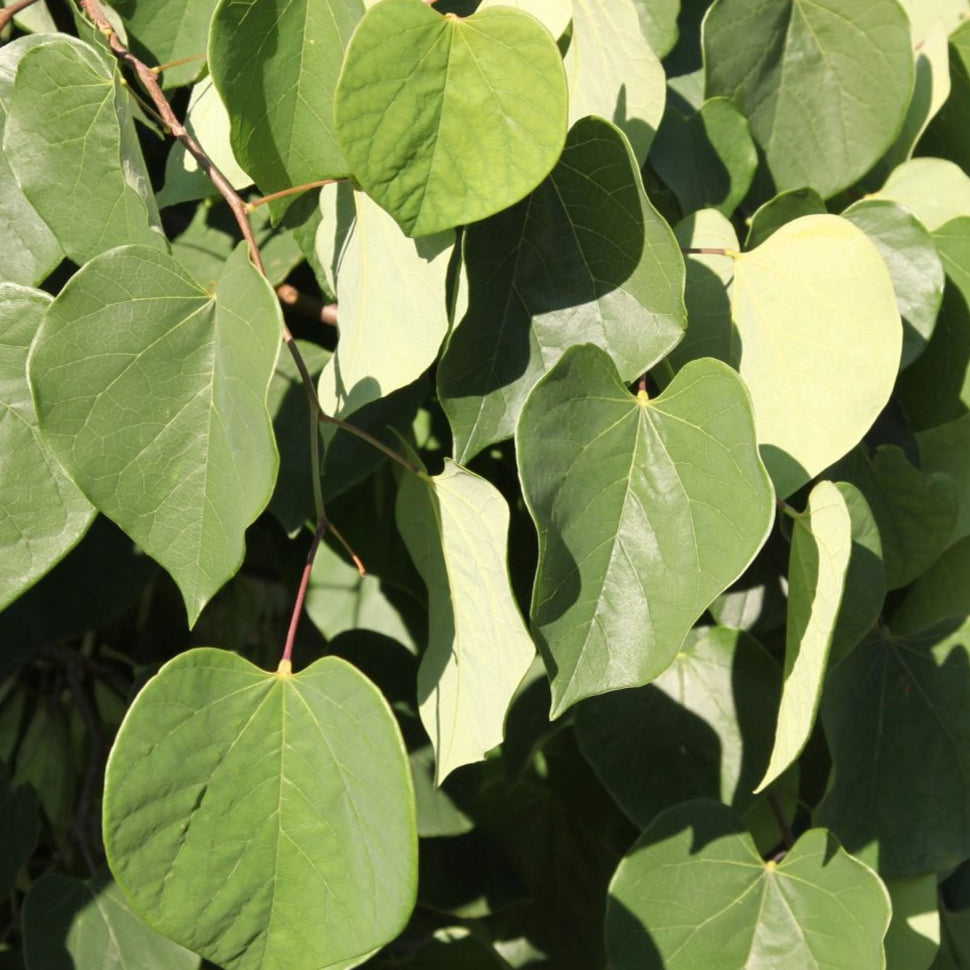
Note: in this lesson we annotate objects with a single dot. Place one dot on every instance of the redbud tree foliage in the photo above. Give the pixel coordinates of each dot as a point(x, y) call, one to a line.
point(485, 485)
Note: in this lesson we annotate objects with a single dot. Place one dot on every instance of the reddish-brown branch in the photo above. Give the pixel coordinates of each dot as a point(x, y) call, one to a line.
point(8, 13)
point(704, 251)
point(292, 190)
point(322, 526)
point(309, 306)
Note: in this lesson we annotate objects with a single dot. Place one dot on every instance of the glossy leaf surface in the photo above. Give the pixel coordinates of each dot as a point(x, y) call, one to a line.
point(646, 510)
point(820, 343)
point(585, 258)
point(693, 891)
point(151, 392)
point(455, 526)
point(446, 121)
point(261, 818)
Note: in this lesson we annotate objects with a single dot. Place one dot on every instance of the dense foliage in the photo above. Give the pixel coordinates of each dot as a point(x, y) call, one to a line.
point(601, 597)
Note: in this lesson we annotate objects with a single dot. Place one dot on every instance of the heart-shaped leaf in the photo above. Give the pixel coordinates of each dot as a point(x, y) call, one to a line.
point(445, 121)
point(151, 392)
point(820, 342)
point(693, 892)
point(787, 64)
point(263, 819)
point(455, 526)
point(820, 550)
point(646, 511)
point(276, 67)
point(584, 259)
point(44, 514)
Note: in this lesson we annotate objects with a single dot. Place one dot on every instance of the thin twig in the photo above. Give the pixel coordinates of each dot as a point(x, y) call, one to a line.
point(168, 65)
point(706, 251)
point(8, 13)
point(287, 660)
point(292, 190)
point(307, 305)
point(371, 440)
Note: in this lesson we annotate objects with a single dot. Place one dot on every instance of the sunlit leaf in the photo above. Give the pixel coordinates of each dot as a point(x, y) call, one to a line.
point(694, 892)
point(445, 121)
point(820, 550)
point(455, 526)
point(263, 818)
point(646, 510)
point(820, 342)
point(151, 392)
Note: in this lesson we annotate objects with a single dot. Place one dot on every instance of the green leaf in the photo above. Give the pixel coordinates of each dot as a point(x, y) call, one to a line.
point(946, 136)
point(915, 512)
point(585, 258)
point(207, 120)
point(455, 526)
point(263, 819)
point(393, 312)
point(941, 593)
point(923, 14)
point(162, 30)
point(151, 392)
point(710, 332)
point(445, 121)
point(456, 947)
point(784, 207)
point(933, 189)
point(703, 728)
point(44, 514)
point(69, 923)
point(794, 299)
point(914, 265)
point(21, 823)
point(896, 713)
point(658, 21)
point(946, 449)
point(805, 73)
point(613, 71)
point(865, 581)
point(71, 144)
point(275, 65)
point(693, 892)
point(646, 511)
point(339, 599)
point(32, 251)
point(708, 158)
point(937, 387)
point(35, 18)
point(820, 550)
point(914, 933)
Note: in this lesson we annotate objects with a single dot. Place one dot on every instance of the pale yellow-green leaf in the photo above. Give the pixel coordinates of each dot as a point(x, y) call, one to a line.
point(914, 933)
point(923, 14)
point(554, 15)
point(933, 189)
point(455, 526)
point(393, 313)
point(821, 544)
point(613, 72)
point(820, 343)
